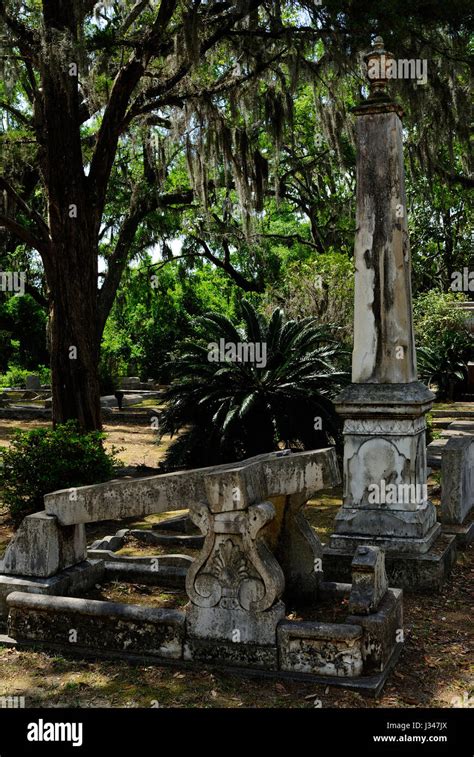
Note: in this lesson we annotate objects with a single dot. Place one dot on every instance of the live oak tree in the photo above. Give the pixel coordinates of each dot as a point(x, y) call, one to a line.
point(79, 68)
point(104, 100)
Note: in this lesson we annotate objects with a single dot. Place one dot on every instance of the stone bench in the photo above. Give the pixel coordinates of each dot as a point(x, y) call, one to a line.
point(52, 541)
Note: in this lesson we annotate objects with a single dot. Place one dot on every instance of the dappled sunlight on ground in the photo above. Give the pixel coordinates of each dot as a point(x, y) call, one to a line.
point(433, 670)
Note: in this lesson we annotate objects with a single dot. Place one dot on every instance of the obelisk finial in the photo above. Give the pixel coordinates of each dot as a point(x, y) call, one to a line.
point(379, 65)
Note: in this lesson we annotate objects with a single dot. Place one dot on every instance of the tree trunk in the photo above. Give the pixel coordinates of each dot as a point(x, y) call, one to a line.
point(75, 341)
point(72, 261)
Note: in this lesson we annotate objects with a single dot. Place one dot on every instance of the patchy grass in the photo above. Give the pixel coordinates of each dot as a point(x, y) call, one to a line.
point(137, 594)
point(458, 406)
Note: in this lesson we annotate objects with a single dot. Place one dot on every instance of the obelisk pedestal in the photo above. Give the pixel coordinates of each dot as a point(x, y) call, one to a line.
point(385, 500)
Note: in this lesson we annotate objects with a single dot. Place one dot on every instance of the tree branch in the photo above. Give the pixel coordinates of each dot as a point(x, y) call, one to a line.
point(227, 83)
point(109, 132)
point(15, 112)
point(117, 262)
point(25, 39)
point(185, 68)
point(32, 214)
point(225, 265)
point(25, 235)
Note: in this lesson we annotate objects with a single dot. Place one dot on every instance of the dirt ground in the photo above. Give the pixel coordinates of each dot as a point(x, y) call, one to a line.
point(136, 442)
point(433, 670)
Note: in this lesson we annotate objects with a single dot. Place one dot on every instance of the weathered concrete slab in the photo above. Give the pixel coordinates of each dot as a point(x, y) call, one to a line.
point(434, 452)
point(66, 583)
point(128, 400)
point(235, 625)
point(88, 623)
point(459, 428)
point(382, 631)
point(110, 543)
point(464, 534)
point(457, 479)
point(168, 576)
point(320, 648)
point(41, 547)
point(423, 573)
point(188, 541)
point(114, 500)
point(249, 656)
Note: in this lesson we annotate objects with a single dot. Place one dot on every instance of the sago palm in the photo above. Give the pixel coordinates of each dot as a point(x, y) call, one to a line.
point(229, 409)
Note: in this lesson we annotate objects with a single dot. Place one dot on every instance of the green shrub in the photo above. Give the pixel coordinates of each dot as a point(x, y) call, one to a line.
point(16, 376)
point(227, 410)
point(444, 342)
point(322, 287)
point(44, 460)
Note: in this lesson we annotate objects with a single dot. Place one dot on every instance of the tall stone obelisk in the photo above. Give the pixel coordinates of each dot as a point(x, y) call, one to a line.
point(385, 500)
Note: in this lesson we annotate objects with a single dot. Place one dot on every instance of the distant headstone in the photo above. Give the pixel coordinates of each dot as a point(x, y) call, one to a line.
point(33, 383)
point(457, 479)
point(369, 580)
point(130, 382)
point(110, 400)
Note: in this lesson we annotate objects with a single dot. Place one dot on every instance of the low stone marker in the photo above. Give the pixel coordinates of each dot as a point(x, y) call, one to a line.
point(128, 400)
point(33, 383)
point(369, 580)
point(130, 382)
point(104, 625)
point(457, 487)
point(42, 548)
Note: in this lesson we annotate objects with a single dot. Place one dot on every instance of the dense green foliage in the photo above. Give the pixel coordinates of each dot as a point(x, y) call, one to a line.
point(444, 342)
point(16, 377)
point(147, 321)
point(228, 409)
point(44, 460)
point(233, 173)
point(22, 333)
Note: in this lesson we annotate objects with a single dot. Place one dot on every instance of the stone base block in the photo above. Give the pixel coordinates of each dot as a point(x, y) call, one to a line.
point(90, 624)
point(41, 547)
point(254, 656)
point(392, 531)
point(320, 648)
point(68, 582)
point(382, 631)
point(413, 573)
point(237, 625)
point(464, 534)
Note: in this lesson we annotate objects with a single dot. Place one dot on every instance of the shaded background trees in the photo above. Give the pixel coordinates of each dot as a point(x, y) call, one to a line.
point(214, 139)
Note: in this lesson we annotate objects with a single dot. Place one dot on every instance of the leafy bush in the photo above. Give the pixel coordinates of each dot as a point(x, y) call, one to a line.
point(322, 287)
point(16, 376)
point(229, 410)
point(26, 321)
point(44, 460)
point(444, 342)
